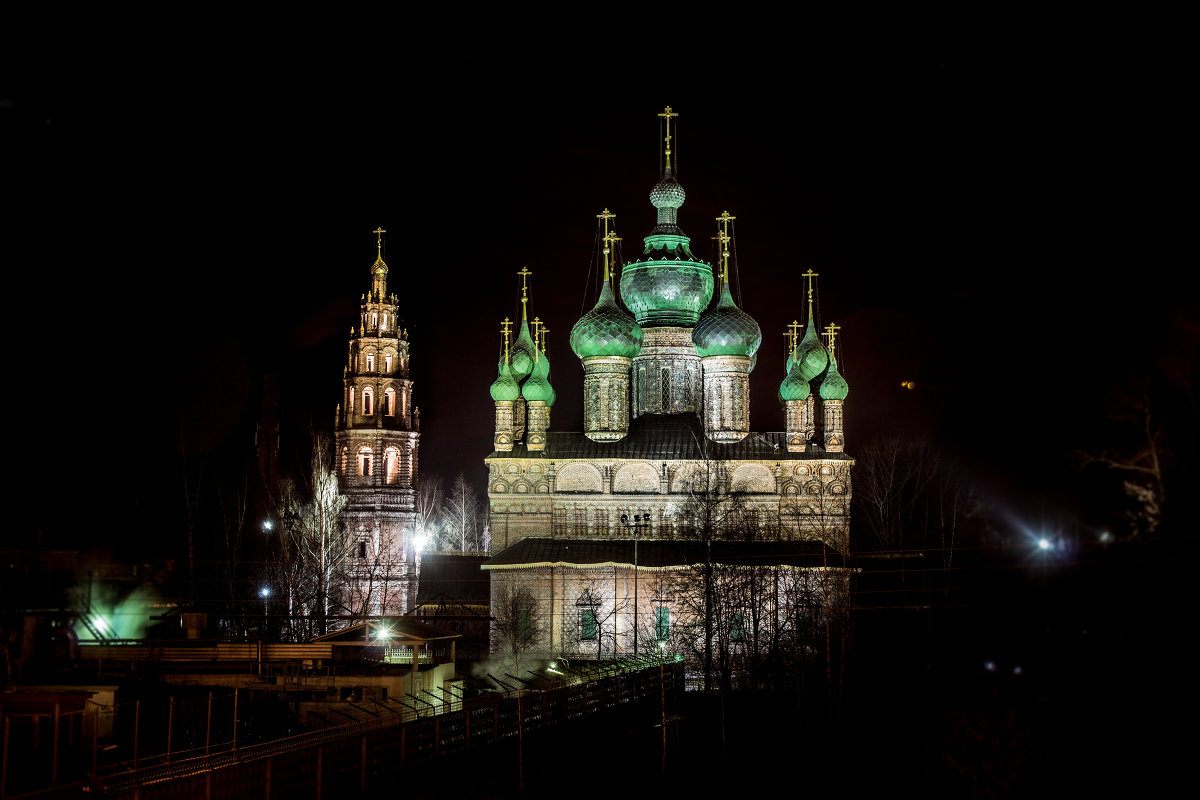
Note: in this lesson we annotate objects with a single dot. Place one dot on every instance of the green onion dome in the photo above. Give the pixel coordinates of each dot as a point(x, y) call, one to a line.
point(726, 330)
point(667, 285)
point(834, 386)
point(795, 385)
point(521, 355)
point(606, 330)
point(537, 385)
point(810, 353)
point(505, 388)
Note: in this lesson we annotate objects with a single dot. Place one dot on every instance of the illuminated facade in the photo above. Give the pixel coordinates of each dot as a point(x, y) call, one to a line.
point(666, 429)
point(377, 441)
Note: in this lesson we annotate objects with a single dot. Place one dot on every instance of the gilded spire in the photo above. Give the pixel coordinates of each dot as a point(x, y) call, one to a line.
point(379, 232)
point(830, 333)
point(724, 239)
point(668, 113)
point(608, 238)
point(793, 334)
point(524, 273)
point(809, 276)
point(537, 324)
point(505, 326)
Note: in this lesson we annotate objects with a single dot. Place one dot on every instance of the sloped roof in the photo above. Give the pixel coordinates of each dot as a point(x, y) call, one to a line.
point(662, 553)
point(669, 437)
point(402, 630)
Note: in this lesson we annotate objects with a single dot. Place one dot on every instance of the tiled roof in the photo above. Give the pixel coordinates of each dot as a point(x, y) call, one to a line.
point(662, 553)
point(671, 437)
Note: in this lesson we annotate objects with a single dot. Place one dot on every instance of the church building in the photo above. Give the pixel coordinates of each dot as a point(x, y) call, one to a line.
point(596, 532)
point(377, 436)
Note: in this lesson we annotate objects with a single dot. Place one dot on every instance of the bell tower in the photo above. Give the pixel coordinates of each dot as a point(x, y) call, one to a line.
point(377, 434)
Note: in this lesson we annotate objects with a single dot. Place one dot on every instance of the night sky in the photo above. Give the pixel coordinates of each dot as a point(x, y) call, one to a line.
point(986, 226)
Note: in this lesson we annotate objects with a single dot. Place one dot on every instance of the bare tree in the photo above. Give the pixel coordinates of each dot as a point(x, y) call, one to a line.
point(518, 619)
point(429, 509)
point(313, 547)
point(463, 518)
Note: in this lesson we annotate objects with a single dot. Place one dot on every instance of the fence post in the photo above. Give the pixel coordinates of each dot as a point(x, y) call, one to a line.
point(170, 726)
point(208, 726)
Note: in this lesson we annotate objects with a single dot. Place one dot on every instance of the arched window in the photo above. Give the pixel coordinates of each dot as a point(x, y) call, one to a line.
point(374, 320)
point(384, 327)
point(389, 401)
point(387, 363)
point(344, 460)
point(364, 460)
point(370, 362)
point(351, 406)
point(368, 401)
point(391, 465)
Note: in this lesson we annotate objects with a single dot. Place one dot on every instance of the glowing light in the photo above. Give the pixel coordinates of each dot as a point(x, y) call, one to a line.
point(265, 592)
point(1017, 670)
point(1105, 537)
point(383, 634)
point(910, 385)
point(1043, 543)
point(990, 666)
point(268, 525)
point(421, 541)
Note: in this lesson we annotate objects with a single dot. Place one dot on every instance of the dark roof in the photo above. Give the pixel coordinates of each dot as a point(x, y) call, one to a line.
point(670, 437)
point(453, 577)
point(661, 553)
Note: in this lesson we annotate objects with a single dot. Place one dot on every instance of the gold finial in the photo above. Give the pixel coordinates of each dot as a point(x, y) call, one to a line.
point(724, 238)
point(545, 331)
point(793, 333)
point(830, 333)
point(524, 273)
point(537, 325)
point(610, 241)
point(379, 232)
point(504, 328)
point(668, 113)
point(606, 215)
point(810, 275)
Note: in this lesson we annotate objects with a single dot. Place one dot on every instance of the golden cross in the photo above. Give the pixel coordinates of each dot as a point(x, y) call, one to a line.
point(668, 113)
point(545, 330)
point(504, 328)
point(537, 322)
point(524, 273)
point(606, 215)
point(830, 333)
point(793, 332)
point(379, 240)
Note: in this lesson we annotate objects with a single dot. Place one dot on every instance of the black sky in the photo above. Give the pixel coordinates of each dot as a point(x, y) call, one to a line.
point(990, 227)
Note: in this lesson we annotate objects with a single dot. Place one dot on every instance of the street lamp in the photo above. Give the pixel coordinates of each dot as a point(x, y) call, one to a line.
point(639, 521)
point(265, 594)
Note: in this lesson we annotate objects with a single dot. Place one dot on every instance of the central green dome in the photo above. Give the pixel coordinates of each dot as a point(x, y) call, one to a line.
point(726, 330)
point(668, 286)
point(606, 330)
point(522, 355)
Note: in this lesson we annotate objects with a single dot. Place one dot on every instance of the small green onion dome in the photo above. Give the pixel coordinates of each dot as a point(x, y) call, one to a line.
point(667, 193)
point(795, 385)
point(606, 330)
point(726, 330)
point(834, 386)
point(811, 353)
point(521, 355)
point(505, 388)
point(537, 385)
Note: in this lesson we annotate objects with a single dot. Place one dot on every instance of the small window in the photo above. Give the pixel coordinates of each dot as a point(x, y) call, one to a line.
point(384, 326)
point(364, 461)
point(387, 364)
point(368, 401)
point(737, 627)
point(362, 548)
point(588, 630)
point(389, 402)
point(370, 362)
point(374, 320)
point(662, 623)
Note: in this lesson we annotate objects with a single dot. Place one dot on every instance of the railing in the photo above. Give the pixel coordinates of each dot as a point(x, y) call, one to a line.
point(399, 735)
